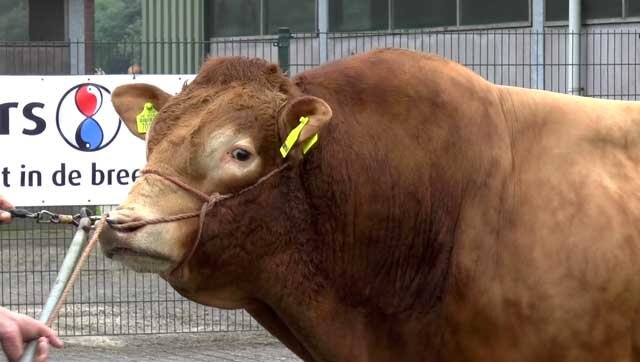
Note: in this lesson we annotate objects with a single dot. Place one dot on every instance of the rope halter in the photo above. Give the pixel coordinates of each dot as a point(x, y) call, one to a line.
point(209, 202)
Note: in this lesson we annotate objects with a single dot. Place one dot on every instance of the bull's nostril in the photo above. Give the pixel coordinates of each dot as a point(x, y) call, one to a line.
point(117, 219)
point(124, 224)
point(112, 221)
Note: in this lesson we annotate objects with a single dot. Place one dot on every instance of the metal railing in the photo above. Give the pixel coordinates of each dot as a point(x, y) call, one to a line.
point(518, 57)
point(109, 299)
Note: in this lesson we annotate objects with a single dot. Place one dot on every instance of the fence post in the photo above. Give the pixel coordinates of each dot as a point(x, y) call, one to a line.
point(77, 41)
point(573, 47)
point(537, 44)
point(323, 29)
point(284, 39)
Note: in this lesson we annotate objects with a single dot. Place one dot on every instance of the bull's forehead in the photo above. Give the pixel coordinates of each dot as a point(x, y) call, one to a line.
point(204, 110)
point(223, 135)
point(202, 122)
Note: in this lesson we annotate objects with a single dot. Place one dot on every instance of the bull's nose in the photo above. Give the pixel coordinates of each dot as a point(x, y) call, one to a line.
point(107, 241)
point(113, 238)
point(114, 220)
point(123, 216)
point(126, 220)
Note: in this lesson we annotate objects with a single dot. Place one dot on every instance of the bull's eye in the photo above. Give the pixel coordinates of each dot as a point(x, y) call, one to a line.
point(241, 154)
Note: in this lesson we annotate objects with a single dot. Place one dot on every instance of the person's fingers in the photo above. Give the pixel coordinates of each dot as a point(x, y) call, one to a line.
point(5, 217)
point(43, 350)
point(5, 204)
point(52, 337)
point(54, 340)
point(12, 342)
point(32, 329)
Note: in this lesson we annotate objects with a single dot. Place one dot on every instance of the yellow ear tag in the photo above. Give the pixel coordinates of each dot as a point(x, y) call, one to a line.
point(293, 136)
point(310, 143)
point(146, 117)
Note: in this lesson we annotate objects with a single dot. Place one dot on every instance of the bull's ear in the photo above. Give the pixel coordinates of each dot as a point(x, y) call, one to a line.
point(129, 101)
point(318, 114)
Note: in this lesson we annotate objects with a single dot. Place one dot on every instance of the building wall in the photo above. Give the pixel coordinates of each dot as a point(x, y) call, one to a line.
point(26, 59)
point(502, 56)
point(609, 60)
point(172, 34)
point(55, 43)
point(505, 56)
point(47, 20)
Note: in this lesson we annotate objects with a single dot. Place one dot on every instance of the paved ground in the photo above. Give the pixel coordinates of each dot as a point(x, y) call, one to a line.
point(245, 346)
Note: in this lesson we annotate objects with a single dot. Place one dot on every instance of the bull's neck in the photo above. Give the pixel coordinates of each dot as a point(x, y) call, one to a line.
point(387, 204)
point(386, 221)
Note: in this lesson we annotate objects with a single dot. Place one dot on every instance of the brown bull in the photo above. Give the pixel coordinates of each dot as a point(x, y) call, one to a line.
point(439, 217)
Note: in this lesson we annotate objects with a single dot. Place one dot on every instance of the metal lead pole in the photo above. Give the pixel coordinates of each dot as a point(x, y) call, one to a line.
point(78, 244)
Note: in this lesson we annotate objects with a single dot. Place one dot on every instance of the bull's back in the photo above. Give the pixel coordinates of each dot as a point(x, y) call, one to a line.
point(404, 108)
point(572, 250)
point(400, 87)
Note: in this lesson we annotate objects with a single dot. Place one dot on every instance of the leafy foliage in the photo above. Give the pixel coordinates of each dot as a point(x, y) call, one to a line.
point(14, 22)
point(118, 33)
point(118, 20)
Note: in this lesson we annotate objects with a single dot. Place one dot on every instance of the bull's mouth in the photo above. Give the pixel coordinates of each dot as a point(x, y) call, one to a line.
point(141, 261)
point(130, 252)
point(138, 249)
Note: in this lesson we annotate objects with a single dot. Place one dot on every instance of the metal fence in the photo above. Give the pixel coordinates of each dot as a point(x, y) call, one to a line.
point(107, 299)
point(111, 300)
point(518, 57)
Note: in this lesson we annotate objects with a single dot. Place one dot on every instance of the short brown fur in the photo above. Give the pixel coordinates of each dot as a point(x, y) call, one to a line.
point(439, 218)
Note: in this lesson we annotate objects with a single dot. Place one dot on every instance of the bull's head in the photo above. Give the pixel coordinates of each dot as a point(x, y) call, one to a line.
point(220, 134)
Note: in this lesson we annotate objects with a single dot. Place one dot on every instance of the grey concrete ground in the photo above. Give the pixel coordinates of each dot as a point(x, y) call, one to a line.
point(239, 346)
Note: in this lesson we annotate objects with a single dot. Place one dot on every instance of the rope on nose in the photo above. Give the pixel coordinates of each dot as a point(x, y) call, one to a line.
point(209, 202)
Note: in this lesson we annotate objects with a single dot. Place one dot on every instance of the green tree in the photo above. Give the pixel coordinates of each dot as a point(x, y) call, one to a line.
point(118, 33)
point(118, 20)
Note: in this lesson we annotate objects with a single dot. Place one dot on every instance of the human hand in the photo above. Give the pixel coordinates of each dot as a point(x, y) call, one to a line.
point(17, 329)
point(5, 217)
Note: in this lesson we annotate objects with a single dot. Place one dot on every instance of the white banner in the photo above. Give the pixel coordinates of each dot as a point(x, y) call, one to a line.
point(62, 143)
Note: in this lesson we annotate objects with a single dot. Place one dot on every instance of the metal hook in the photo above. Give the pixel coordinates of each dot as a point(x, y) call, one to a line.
point(47, 217)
